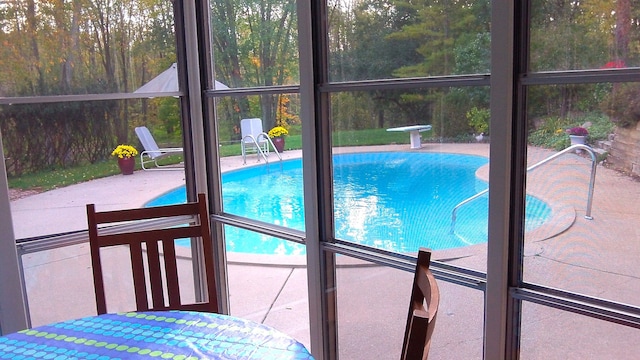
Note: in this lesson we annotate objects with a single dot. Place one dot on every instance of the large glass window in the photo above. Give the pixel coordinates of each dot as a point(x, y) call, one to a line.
point(64, 48)
point(591, 193)
point(59, 158)
point(373, 301)
point(393, 39)
point(61, 155)
point(258, 139)
point(255, 43)
point(260, 161)
point(386, 109)
point(268, 287)
point(576, 338)
point(396, 193)
point(59, 284)
point(77, 80)
point(580, 163)
point(566, 35)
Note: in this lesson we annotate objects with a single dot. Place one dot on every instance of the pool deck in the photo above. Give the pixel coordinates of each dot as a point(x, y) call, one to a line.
point(569, 252)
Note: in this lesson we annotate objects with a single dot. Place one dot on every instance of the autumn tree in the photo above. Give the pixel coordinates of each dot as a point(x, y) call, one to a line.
point(73, 47)
point(255, 44)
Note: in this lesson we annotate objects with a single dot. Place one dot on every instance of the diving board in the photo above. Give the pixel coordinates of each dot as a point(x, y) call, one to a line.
point(414, 133)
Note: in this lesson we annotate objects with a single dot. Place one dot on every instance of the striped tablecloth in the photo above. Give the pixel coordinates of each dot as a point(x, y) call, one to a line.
point(177, 335)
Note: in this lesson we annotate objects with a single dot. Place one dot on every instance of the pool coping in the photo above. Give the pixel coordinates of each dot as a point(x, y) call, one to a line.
point(562, 216)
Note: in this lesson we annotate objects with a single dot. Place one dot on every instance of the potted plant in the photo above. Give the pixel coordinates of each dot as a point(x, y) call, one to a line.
point(126, 160)
point(578, 135)
point(277, 135)
point(478, 119)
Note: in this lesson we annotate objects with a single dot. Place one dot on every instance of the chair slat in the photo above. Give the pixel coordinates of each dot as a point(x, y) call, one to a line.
point(171, 268)
point(155, 274)
point(148, 235)
point(139, 283)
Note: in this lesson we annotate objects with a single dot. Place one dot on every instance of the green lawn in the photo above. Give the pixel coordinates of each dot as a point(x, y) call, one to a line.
point(56, 178)
point(341, 138)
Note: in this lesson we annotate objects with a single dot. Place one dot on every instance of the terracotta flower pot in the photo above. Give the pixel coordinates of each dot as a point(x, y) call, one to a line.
point(126, 165)
point(278, 142)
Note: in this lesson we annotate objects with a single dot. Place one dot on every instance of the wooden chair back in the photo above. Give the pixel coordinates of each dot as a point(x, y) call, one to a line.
point(423, 308)
point(160, 264)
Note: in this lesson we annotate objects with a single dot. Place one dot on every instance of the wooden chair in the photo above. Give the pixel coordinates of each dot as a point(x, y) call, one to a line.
point(421, 321)
point(161, 265)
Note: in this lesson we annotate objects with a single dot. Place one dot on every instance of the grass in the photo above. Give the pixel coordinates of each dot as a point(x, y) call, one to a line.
point(342, 138)
point(57, 178)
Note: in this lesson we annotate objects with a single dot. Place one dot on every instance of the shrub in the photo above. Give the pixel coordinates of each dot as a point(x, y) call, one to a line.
point(551, 133)
point(479, 119)
point(556, 140)
point(623, 104)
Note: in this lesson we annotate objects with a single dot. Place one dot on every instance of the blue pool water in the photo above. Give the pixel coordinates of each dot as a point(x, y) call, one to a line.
point(396, 201)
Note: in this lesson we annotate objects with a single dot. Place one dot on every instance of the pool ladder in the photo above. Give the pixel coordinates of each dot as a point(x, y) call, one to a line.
point(260, 151)
point(589, 150)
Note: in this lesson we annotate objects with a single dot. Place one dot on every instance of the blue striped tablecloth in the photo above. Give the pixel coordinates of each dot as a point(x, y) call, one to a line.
point(177, 335)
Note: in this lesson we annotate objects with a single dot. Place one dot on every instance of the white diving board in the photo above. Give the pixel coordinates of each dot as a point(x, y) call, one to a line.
point(414, 133)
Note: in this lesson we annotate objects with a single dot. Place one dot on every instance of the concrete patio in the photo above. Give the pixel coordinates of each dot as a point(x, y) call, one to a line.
point(594, 257)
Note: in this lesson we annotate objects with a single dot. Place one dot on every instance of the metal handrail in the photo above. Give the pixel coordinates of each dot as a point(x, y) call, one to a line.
point(592, 180)
point(272, 144)
point(255, 142)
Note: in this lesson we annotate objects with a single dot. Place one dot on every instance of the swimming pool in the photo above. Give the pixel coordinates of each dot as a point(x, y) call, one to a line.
point(396, 201)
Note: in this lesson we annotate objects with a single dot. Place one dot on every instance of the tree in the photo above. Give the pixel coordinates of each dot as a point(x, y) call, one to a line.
point(76, 47)
point(255, 44)
point(362, 50)
point(438, 24)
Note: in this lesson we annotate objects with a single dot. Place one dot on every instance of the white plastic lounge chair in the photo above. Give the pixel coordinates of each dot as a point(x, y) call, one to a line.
point(254, 139)
point(152, 153)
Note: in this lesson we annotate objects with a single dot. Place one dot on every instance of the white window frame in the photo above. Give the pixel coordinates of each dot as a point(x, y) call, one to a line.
point(13, 315)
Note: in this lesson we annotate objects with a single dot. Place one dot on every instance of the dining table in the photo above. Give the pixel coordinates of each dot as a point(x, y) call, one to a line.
point(177, 335)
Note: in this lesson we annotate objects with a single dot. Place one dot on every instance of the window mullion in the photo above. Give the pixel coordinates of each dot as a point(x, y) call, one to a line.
point(502, 82)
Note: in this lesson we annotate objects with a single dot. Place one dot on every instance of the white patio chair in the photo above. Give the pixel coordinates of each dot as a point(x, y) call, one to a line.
point(153, 153)
point(254, 139)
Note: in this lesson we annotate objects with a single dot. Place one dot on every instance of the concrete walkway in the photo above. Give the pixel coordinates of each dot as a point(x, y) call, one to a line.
point(595, 257)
